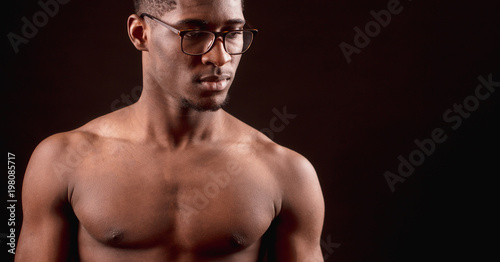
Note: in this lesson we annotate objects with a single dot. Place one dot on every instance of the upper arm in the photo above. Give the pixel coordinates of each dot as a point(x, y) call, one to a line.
point(45, 232)
point(300, 221)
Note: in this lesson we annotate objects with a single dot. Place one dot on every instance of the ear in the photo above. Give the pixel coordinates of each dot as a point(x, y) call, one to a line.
point(137, 32)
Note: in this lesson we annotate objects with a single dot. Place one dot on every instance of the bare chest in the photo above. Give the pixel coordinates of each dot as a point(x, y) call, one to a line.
point(197, 203)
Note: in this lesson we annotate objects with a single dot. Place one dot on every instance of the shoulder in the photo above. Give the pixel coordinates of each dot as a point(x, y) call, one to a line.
point(300, 209)
point(293, 173)
point(56, 160)
point(59, 143)
point(60, 154)
point(80, 139)
point(284, 161)
point(299, 206)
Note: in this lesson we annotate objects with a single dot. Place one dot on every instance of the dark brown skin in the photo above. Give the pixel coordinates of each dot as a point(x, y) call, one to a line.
point(157, 181)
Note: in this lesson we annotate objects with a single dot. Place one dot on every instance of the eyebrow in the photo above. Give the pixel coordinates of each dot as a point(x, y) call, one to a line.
point(200, 22)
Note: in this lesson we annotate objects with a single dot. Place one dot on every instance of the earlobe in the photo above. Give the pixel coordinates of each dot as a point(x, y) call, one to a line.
point(137, 32)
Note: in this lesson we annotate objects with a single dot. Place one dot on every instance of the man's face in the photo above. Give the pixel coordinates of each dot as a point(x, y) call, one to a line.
point(197, 82)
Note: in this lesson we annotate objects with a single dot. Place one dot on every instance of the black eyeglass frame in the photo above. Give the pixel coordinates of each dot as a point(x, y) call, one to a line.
point(222, 34)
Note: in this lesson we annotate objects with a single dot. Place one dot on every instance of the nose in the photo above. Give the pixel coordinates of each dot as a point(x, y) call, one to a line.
point(217, 55)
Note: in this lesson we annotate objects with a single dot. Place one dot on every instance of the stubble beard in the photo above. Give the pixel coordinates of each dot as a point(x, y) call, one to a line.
point(199, 107)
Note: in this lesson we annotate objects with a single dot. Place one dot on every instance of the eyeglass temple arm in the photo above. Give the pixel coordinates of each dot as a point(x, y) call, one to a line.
point(161, 22)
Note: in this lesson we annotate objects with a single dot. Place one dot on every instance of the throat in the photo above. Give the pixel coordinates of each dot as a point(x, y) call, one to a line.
point(176, 129)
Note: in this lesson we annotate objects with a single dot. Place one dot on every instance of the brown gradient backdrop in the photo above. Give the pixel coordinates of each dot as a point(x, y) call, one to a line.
point(353, 120)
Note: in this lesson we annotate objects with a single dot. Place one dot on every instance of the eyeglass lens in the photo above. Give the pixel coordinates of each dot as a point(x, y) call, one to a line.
point(199, 42)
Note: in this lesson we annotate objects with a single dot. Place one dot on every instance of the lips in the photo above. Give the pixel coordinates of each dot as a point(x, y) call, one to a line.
point(214, 82)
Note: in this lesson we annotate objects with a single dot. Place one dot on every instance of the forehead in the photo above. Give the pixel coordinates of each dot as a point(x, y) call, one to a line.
point(213, 11)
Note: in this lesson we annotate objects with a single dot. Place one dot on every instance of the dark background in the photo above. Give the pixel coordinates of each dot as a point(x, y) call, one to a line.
point(353, 119)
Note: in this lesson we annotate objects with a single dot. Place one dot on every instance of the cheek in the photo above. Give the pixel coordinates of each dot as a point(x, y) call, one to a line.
point(235, 61)
point(168, 60)
point(165, 51)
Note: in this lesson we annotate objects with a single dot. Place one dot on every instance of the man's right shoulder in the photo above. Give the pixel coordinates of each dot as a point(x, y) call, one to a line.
point(63, 152)
point(81, 140)
point(67, 151)
point(58, 144)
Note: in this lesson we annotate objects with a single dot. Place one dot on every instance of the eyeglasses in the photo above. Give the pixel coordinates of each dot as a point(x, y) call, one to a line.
point(199, 42)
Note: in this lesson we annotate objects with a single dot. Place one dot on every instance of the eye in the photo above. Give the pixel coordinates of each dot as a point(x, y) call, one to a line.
point(196, 34)
point(234, 34)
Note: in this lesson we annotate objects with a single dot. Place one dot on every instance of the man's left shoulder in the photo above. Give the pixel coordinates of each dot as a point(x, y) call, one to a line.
point(282, 160)
point(301, 203)
point(289, 164)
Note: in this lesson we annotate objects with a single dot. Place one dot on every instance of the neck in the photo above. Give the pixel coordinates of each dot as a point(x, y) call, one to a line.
point(165, 122)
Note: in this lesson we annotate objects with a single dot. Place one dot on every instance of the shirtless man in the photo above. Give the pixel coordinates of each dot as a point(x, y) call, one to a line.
point(173, 177)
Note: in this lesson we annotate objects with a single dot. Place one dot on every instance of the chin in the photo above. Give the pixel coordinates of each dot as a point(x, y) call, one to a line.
point(204, 106)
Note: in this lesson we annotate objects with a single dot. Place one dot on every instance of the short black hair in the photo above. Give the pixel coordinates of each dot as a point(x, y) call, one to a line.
point(157, 7)
point(154, 7)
